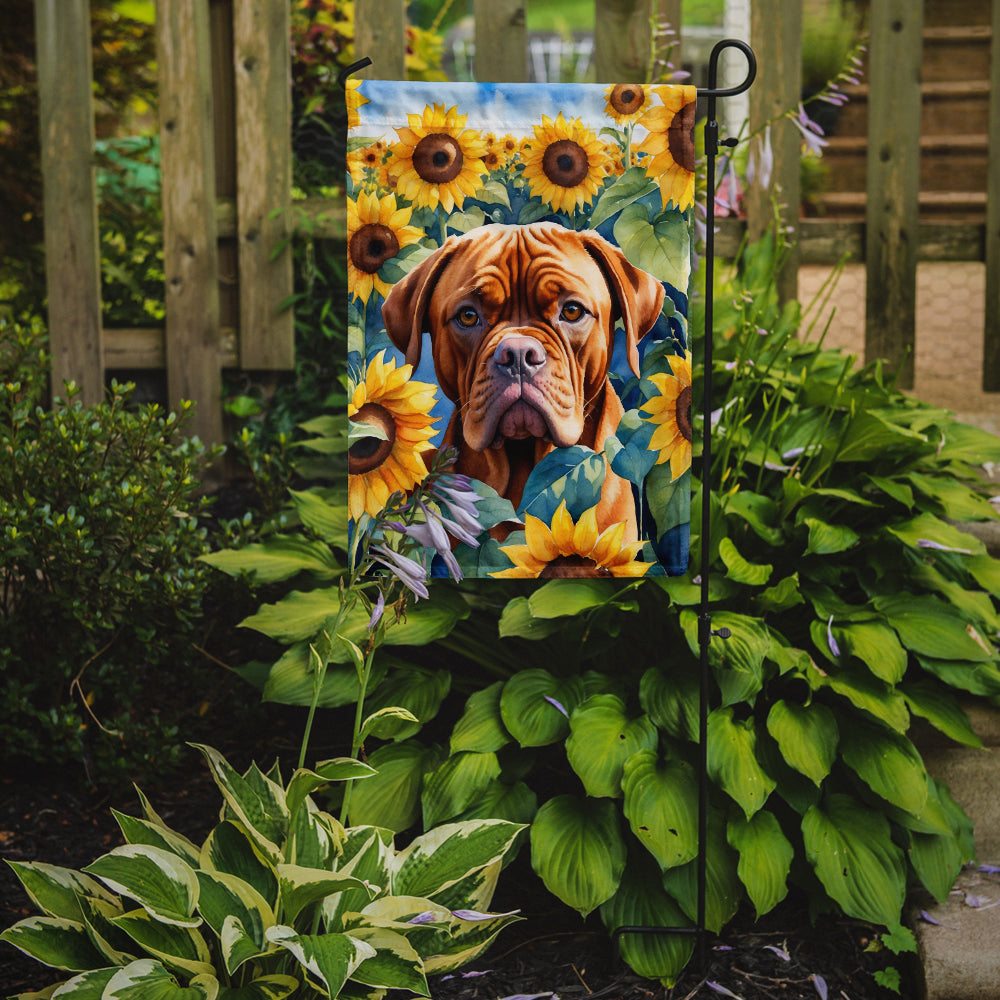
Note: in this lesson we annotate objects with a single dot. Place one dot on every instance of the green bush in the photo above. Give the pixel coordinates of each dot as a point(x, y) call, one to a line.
point(101, 587)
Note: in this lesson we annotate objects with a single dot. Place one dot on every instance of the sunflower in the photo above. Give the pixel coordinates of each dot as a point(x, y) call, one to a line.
point(354, 99)
point(376, 231)
point(366, 165)
point(400, 409)
point(626, 101)
point(566, 548)
point(437, 159)
point(670, 144)
point(511, 147)
point(565, 163)
point(670, 411)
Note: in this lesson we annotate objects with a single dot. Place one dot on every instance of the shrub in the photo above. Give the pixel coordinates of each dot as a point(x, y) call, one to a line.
point(99, 539)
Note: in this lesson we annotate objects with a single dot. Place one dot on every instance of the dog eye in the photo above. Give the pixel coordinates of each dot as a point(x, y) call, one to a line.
point(572, 312)
point(467, 317)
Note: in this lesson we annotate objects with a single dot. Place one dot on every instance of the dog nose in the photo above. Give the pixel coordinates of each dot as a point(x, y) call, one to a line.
point(519, 355)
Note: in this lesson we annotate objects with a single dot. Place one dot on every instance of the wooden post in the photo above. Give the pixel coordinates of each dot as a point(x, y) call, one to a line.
point(623, 40)
point(776, 35)
point(893, 183)
point(72, 255)
point(380, 34)
point(190, 253)
point(501, 38)
point(991, 333)
point(261, 40)
point(666, 13)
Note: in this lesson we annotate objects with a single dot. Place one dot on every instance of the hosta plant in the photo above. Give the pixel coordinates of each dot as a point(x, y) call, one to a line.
point(279, 900)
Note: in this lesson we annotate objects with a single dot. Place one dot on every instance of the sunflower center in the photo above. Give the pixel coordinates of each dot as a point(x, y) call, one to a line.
point(565, 163)
point(626, 99)
point(371, 246)
point(438, 158)
point(684, 412)
point(370, 452)
point(680, 137)
point(567, 567)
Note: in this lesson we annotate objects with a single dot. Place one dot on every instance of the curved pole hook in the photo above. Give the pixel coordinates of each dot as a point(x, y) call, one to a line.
point(353, 68)
point(713, 90)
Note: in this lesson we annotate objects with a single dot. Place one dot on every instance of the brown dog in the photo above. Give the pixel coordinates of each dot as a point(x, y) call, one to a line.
point(521, 320)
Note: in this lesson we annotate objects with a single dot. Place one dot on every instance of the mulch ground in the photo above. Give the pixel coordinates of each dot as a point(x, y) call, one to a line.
point(551, 953)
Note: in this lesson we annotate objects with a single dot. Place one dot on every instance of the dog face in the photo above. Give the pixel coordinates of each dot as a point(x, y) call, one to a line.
point(521, 320)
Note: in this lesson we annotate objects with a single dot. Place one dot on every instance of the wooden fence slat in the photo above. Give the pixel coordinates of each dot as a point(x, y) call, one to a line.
point(261, 57)
point(776, 36)
point(72, 255)
point(380, 34)
point(892, 215)
point(190, 251)
point(622, 40)
point(501, 38)
point(991, 331)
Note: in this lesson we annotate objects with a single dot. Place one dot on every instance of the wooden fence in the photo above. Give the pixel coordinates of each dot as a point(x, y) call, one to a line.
point(226, 161)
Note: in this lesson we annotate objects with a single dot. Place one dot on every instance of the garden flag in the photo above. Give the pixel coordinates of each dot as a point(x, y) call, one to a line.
point(519, 260)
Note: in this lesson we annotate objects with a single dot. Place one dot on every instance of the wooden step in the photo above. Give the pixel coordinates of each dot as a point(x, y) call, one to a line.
point(957, 206)
point(947, 162)
point(938, 13)
point(956, 53)
point(945, 106)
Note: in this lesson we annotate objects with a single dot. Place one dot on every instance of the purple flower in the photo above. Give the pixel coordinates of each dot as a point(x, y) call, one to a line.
point(780, 952)
point(927, 543)
point(820, 983)
point(831, 642)
point(427, 917)
point(475, 915)
point(760, 164)
point(558, 705)
point(408, 571)
point(811, 132)
point(719, 988)
point(456, 494)
point(377, 612)
point(431, 535)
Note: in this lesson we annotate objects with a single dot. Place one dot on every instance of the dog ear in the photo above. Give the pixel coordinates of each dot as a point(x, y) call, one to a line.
point(405, 306)
point(639, 294)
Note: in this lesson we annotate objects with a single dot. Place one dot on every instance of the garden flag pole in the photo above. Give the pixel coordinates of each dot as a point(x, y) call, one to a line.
point(519, 277)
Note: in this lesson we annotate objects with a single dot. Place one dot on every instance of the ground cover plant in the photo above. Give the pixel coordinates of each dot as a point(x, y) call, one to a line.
point(854, 604)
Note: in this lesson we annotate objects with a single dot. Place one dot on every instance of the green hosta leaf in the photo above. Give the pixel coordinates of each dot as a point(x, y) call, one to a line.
point(876, 646)
point(976, 678)
point(517, 620)
point(438, 859)
point(928, 528)
point(279, 558)
point(870, 435)
point(292, 679)
point(760, 512)
point(937, 859)
point(559, 598)
point(163, 884)
point(456, 784)
point(738, 569)
point(386, 723)
point(866, 692)
point(56, 891)
point(530, 706)
point(147, 979)
point(723, 889)
point(850, 848)
point(738, 661)
point(330, 959)
point(986, 572)
point(941, 709)
point(732, 760)
point(395, 964)
point(275, 987)
point(932, 628)
point(260, 809)
point(641, 901)
point(827, 539)
point(661, 799)
point(327, 520)
point(783, 595)
point(225, 897)
point(888, 763)
point(670, 698)
point(417, 690)
point(957, 501)
point(230, 849)
point(54, 941)
point(481, 728)
point(807, 736)
point(301, 887)
point(602, 738)
point(141, 831)
point(765, 858)
point(391, 798)
point(180, 948)
point(578, 851)
point(516, 803)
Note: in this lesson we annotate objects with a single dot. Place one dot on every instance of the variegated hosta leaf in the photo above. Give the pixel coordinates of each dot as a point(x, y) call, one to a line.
point(456, 784)
point(367, 853)
point(475, 891)
point(304, 782)
point(158, 880)
point(765, 858)
point(230, 849)
point(602, 737)
point(301, 887)
point(256, 801)
point(86, 986)
point(481, 728)
point(54, 941)
point(315, 838)
point(850, 847)
point(225, 897)
point(661, 805)
point(578, 851)
point(149, 980)
point(732, 760)
point(328, 959)
point(177, 947)
point(441, 857)
point(807, 736)
point(56, 891)
point(275, 987)
point(395, 964)
point(468, 939)
point(116, 946)
point(642, 902)
point(141, 831)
